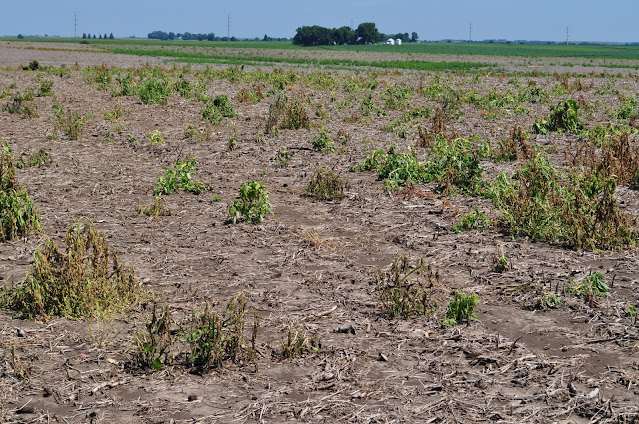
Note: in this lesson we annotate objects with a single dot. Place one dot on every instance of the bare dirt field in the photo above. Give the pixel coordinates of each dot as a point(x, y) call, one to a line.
point(313, 263)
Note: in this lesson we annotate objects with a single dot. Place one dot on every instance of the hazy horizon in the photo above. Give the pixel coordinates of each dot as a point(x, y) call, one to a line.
point(586, 21)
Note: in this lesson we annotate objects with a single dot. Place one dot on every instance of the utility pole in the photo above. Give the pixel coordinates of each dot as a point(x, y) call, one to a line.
point(75, 26)
point(470, 33)
point(352, 24)
point(566, 35)
point(228, 28)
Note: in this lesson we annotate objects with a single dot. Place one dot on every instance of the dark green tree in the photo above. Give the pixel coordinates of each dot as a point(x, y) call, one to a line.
point(414, 37)
point(100, 37)
point(368, 31)
point(84, 35)
point(111, 37)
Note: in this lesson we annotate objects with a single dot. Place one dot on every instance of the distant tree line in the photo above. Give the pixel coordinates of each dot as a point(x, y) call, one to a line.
point(161, 35)
point(88, 36)
point(366, 32)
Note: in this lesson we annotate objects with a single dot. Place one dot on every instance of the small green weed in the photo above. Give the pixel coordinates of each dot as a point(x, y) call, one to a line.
point(46, 88)
point(325, 184)
point(251, 203)
point(69, 122)
point(473, 220)
point(549, 301)
point(153, 347)
point(22, 104)
point(154, 90)
point(500, 261)
point(460, 309)
point(35, 158)
point(283, 156)
point(179, 178)
point(297, 343)
point(155, 138)
point(592, 288)
point(323, 141)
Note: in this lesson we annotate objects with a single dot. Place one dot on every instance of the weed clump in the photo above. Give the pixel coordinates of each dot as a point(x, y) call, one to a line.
point(460, 309)
point(548, 301)
point(156, 210)
point(207, 338)
point(298, 343)
point(475, 220)
point(22, 104)
point(285, 113)
point(156, 139)
point(85, 281)
point(179, 178)
point(325, 184)
point(154, 90)
point(578, 210)
point(407, 289)
point(323, 142)
point(18, 215)
point(69, 122)
point(592, 288)
point(564, 116)
point(251, 203)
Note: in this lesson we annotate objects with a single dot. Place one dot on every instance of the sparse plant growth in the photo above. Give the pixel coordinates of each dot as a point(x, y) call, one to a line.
point(18, 215)
point(35, 158)
point(592, 288)
point(22, 104)
point(232, 141)
point(46, 88)
point(500, 260)
point(213, 338)
point(325, 184)
point(514, 148)
point(475, 220)
point(115, 114)
point(460, 309)
point(285, 113)
point(156, 210)
point(179, 178)
point(251, 203)
point(548, 301)
point(156, 139)
point(69, 122)
point(283, 157)
point(153, 347)
point(323, 142)
point(85, 281)
point(408, 289)
point(298, 343)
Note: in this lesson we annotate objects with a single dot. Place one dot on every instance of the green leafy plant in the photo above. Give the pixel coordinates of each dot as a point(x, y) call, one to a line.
point(577, 209)
point(18, 215)
point(251, 203)
point(549, 301)
point(298, 343)
point(85, 281)
point(323, 142)
point(156, 139)
point(407, 289)
point(35, 158)
point(325, 184)
point(179, 178)
point(460, 309)
point(283, 156)
point(592, 288)
point(154, 90)
point(46, 88)
point(564, 116)
point(223, 104)
point(152, 347)
point(473, 220)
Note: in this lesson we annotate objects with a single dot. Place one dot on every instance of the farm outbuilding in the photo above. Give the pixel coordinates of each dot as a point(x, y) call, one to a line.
point(390, 41)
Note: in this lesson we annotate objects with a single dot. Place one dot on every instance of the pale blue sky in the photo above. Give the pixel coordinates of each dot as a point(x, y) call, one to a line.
point(587, 20)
